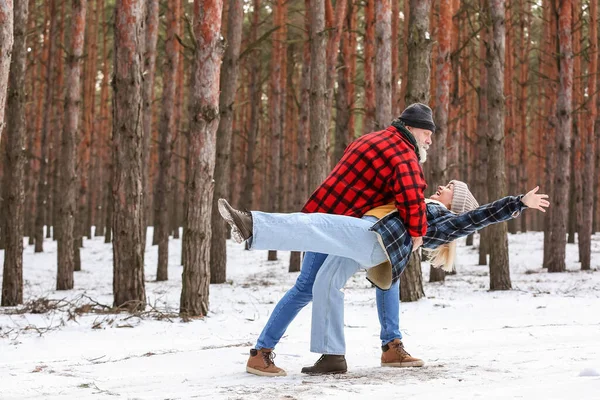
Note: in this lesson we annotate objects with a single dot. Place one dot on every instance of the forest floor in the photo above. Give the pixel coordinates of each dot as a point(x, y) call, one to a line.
point(540, 340)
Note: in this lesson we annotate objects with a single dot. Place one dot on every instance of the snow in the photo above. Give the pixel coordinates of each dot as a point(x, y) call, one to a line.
point(539, 340)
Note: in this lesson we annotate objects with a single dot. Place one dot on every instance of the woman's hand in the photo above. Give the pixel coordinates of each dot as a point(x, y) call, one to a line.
point(534, 200)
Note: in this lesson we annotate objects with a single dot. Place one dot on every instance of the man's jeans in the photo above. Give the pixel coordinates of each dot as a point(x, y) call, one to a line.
point(354, 244)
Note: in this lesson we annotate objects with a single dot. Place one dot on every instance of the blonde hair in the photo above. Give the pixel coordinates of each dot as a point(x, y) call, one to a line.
point(443, 256)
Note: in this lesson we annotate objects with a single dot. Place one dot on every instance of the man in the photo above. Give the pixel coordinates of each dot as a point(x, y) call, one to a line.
point(376, 169)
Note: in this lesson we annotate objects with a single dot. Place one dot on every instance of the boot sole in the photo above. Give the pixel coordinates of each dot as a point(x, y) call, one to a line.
point(226, 214)
point(258, 372)
point(325, 373)
point(404, 364)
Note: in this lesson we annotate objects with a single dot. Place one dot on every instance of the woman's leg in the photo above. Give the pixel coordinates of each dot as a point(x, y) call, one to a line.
point(292, 302)
point(321, 233)
point(327, 329)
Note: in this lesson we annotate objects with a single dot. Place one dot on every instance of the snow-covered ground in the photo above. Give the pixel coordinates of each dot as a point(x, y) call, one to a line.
point(540, 340)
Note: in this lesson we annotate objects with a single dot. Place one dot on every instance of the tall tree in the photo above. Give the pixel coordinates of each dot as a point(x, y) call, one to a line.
point(14, 162)
point(495, 55)
point(204, 121)
point(42, 186)
point(229, 77)
point(383, 63)
point(273, 202)
point(148, 41)
point(585, 233)
point(165, 146)
point(417, 91)
point(128, 145)
point(482, 126)
point(560, 193)
point(6, 43)
point(318, 87)
point(255, 105)
point(442, 101)
point(369, 64)
point(68, 151)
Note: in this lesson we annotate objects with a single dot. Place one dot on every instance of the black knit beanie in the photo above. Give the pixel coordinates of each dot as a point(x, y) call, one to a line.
point(418, 115)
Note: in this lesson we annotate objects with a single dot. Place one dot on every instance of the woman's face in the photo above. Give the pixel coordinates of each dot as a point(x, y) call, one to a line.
point(444, 194)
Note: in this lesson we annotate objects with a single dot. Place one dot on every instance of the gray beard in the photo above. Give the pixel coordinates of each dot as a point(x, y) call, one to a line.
point(422, 152)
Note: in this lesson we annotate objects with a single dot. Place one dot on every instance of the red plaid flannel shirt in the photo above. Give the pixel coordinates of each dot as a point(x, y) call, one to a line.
point(376, 169)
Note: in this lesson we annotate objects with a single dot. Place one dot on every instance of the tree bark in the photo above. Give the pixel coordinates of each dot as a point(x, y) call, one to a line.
point(149, 39)
point(383, 64)
point(417, 91)
point(495, 51)
point(204, 121)
point(68, 151)
point(6, 44)
point(482, 127)
point(255, 104)
point(42, 186)
point(442, 101)
point(165, 131)
point(369, 64)
point(560, 194)
point(128, 140)
point(318, 91)
point(229, 78)
point(585, 233)
point(14, 161)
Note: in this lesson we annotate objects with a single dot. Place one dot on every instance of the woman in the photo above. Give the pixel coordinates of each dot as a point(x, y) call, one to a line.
point(452, 212)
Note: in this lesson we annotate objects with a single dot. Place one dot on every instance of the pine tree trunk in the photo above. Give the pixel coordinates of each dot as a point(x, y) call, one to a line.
point(585, 233)
point(383, 64)
point(438, 158)
point(524, 47)
point(419, 53)
point(42, 186)
point(411, 280)
point(229, 78)
point(104, 131)
point(58, 116)
point(165, 132)
point(395, 40)
point(6, 44)
point(499, 266)
point(560, 194)
point(68, 150)
point(318, 91)
point(417, 91)
point(149, 39)
point(128, 140)
point(551, 71)
point(482, 127)
point(15, 159)
point(204, 121)
point(404, 63)
point(276, 134)
point(369, 65)
point(255, 102)
point(342, 94)
point(438, 152)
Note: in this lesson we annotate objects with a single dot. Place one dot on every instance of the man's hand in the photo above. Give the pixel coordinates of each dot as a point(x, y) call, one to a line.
point(534, 200)
point(417, 242)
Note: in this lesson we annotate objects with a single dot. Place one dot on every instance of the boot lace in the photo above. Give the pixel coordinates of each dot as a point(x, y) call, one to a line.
point(402, 351)
point(269, 358)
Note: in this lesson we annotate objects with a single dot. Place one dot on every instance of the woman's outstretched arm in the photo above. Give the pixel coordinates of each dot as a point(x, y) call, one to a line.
point(457, 226)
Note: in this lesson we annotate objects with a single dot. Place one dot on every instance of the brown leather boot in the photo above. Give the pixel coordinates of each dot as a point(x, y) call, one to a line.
point(261, 363)
point(327, 364)
point(240, 221)
point(394, 355)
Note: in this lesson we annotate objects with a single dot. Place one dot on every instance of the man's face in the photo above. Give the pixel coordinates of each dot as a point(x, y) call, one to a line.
point(423, 136)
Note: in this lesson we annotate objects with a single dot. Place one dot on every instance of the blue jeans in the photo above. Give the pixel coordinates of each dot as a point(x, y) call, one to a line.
point(318, 234)
point(327, 327)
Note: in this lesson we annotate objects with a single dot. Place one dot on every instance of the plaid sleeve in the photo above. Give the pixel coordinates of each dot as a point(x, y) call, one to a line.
point(409, 187)
point(457, 226)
